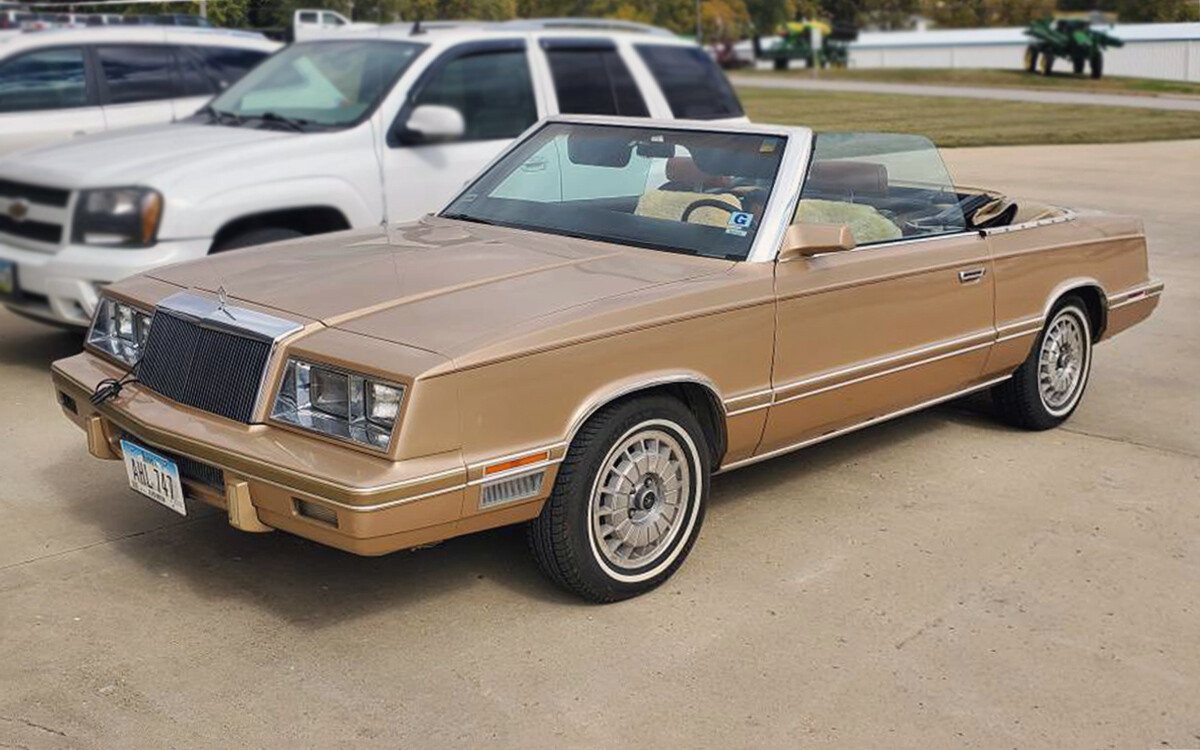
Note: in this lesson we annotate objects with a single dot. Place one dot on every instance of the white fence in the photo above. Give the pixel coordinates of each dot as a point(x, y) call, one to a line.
point(1169, 51)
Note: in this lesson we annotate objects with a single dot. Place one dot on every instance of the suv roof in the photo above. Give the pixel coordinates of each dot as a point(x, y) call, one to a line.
point(455, 31)
point(144, 34)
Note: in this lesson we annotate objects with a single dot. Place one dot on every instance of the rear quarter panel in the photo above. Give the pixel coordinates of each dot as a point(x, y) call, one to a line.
point(1035, 265)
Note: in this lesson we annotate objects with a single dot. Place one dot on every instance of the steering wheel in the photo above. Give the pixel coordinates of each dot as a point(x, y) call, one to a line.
point(706, 203)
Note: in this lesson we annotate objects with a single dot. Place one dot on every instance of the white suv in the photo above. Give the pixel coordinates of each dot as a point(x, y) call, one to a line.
point(69, 82)
point(325, 135)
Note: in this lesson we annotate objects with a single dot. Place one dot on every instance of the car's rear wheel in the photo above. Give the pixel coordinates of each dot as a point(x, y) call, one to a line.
point(1047, 387)
point(628, 502)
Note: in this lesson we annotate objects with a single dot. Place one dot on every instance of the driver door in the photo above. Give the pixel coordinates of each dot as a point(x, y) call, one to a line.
point(490, 84)
point(903, 320)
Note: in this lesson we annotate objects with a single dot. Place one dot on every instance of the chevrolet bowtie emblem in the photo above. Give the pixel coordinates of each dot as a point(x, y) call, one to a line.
point(18, 210)
point(223, 302)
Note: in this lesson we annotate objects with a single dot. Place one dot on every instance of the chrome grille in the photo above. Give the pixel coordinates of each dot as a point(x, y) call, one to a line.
point(212, 370)
point(209, 357)
point(33, 212)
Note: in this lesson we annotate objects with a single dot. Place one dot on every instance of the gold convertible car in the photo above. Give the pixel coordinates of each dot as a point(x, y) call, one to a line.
point(609, 314)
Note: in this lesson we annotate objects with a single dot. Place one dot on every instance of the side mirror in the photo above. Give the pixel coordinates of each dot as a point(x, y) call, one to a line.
point(433, 123)
point(806, 240)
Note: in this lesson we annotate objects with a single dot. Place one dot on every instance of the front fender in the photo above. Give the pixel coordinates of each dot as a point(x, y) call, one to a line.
point(186, 218)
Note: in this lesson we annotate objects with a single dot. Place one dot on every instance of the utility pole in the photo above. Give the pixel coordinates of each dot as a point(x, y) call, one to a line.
point(698, 24)
point(204, 8)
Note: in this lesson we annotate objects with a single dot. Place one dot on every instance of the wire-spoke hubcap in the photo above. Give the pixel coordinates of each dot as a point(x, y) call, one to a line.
point(641, 498)
point(1062, 362)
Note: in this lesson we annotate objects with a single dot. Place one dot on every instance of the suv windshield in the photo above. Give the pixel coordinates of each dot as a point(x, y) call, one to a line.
point(322, 84)
point(688, 191)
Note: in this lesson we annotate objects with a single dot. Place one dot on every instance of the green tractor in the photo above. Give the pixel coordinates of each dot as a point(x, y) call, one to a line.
point(1073, 39)
point(796, 43)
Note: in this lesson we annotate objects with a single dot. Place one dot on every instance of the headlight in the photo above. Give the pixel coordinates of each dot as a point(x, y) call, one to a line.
point(119, 217)
point(120, 330)
point(337, 403)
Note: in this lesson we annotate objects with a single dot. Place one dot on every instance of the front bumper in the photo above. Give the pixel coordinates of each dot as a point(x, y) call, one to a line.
point(61, 287)
point(271, 478)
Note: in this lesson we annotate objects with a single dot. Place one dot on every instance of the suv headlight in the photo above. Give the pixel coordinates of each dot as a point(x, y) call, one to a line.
point(120, 330)
point(117, 217)
point(338, 403)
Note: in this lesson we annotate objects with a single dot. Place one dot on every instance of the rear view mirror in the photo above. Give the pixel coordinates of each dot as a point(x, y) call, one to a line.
point(806, 240)
point(433, 123)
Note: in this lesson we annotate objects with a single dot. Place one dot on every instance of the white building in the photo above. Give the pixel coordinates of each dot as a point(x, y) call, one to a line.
point(1169, 51)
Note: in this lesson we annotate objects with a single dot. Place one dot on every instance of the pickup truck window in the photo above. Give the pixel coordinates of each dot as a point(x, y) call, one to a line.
point(685, 191)
point(694, 86)
point(136, 73)
point(492, 90)
point(323, 84)
point(46, 79)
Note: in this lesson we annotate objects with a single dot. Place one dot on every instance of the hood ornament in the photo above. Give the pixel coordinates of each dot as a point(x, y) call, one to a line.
point(223, 301)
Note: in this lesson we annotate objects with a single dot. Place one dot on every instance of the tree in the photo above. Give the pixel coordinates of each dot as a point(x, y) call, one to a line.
point(1139, 11)
point(959, 13)
point(724, 20)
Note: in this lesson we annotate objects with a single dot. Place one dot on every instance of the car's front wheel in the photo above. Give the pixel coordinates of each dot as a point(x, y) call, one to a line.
point(628, 502)
point(1047, 387)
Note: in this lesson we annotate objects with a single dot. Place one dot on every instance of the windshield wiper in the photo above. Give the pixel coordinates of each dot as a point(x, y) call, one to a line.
point(292, 123)
point(219, 117)
point(473, 219)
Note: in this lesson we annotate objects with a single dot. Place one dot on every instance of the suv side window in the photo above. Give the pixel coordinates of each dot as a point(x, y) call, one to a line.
point(225, 65)
point(591, 79)
point(694, 86)
point(493, 91)
point(192, 79)
point(136, 73)
point(46, 79)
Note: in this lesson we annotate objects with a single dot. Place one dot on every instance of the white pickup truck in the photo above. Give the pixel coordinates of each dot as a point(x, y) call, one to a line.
point(343, 132)
point(318, 23)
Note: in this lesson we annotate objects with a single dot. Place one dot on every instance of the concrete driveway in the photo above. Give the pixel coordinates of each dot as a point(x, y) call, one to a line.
point(940, 581)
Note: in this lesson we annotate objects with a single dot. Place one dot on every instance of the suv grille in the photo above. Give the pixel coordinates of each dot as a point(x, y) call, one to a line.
point(213, 370)
point(38, 230)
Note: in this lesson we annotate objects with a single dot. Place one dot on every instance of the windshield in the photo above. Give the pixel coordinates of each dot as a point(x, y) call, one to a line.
point(688, 191)
point(330, 84)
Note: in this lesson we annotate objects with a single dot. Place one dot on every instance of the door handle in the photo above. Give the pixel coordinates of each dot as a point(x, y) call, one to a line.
point(975, 274)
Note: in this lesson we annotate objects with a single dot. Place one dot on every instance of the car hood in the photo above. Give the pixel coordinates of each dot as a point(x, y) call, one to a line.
point(440, 285)
point(132, 156)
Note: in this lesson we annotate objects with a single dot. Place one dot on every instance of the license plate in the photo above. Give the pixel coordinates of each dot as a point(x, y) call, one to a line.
point(154, 476)
point(8, 277)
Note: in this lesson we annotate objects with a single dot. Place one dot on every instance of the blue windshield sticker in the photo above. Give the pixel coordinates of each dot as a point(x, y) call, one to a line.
point(739, 222)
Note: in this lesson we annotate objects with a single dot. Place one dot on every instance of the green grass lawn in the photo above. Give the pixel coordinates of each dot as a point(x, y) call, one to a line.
point(968, 122)
point(1061, 80)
